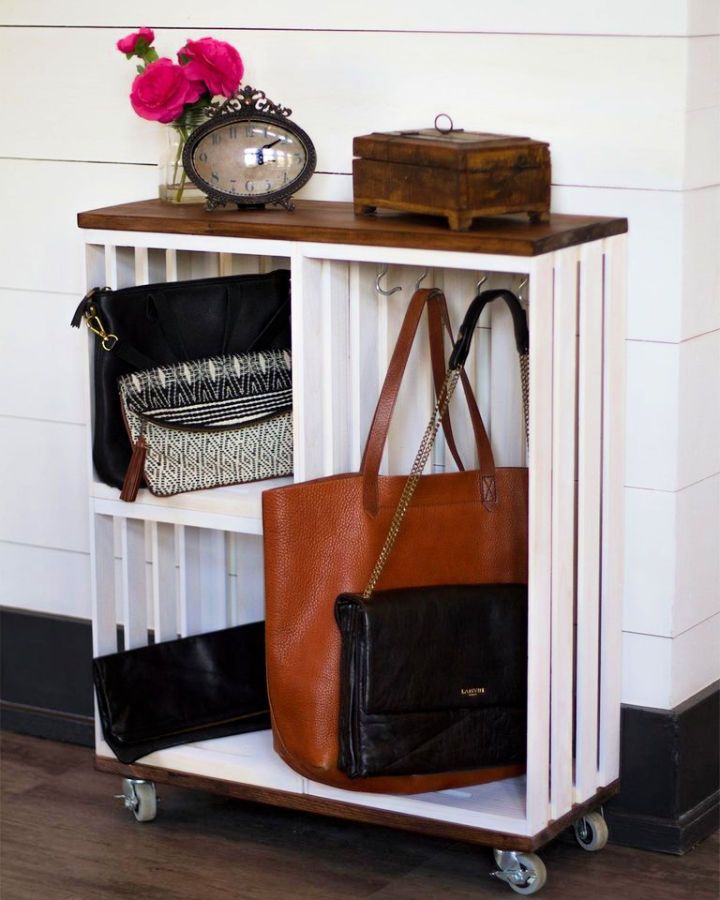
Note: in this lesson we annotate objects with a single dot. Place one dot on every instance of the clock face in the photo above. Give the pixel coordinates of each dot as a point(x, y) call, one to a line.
point(249, 159)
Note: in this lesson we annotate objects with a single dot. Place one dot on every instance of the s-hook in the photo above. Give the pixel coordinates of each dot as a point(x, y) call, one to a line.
point(380, 290)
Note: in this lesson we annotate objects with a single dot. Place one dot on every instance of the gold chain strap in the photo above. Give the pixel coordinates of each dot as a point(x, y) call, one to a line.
point(426, 444)
point(525, 382)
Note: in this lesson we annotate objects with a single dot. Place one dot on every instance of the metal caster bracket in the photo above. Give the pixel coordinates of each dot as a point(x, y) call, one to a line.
point(140, 798)
point(524, 873)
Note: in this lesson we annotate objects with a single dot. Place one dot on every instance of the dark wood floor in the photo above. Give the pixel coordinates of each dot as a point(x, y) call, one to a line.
point(63, 837)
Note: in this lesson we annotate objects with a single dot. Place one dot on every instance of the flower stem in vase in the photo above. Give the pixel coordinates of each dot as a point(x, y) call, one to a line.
point(181, 146)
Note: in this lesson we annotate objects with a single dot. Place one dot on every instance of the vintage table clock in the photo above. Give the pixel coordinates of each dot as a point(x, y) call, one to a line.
point(444, 171)
point(249, 153)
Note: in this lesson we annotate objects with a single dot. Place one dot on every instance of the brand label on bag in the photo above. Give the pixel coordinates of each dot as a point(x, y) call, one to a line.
point(472, 692)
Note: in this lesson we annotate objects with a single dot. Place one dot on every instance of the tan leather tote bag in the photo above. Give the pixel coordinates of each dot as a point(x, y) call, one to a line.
point(322, 538)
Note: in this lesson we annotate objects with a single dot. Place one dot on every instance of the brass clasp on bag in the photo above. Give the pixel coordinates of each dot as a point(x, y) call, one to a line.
point(92, 320)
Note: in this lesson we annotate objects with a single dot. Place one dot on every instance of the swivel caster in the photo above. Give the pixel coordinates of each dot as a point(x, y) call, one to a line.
point(525, 873)
point(591, 832)
point(140, 798)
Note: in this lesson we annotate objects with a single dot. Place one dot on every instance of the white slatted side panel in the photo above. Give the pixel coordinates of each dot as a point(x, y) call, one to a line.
point(588, 515)
point(133, 604)
point(364, 371)
point(102, 567)
point(213, 566)
point(563, 529)
point(307, 368)
point(189, 561)
point(332, 354)
point(612, 505)
point(246, 571)
point(171, 264)
point(164, 584)
point(540, 541)
point(142, 265)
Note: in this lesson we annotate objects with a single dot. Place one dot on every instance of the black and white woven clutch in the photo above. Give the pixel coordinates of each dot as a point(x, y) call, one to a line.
point(209, 422)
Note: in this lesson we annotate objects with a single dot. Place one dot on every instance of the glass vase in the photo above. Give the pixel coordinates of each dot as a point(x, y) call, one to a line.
point(174, 185)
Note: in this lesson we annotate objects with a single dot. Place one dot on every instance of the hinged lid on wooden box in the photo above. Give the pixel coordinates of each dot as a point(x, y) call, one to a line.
point(457, 174)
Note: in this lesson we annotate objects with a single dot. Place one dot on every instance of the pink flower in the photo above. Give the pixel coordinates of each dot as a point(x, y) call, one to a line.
point(216, 63)
point(161, 91)
point(129, 43)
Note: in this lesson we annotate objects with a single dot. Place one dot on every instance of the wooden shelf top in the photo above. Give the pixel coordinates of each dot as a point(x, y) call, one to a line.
point(335, 223)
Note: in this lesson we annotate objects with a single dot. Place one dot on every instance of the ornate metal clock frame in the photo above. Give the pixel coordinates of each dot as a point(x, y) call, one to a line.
point(249, 104)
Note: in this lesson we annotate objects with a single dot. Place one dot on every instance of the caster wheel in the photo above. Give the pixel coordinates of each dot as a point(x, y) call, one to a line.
point(524, 873)
point(140, 798)
point(591, 832)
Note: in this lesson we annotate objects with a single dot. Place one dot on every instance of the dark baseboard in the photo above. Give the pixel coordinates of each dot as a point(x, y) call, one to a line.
point(669, 796)
point(669, 760)
point(48, 723)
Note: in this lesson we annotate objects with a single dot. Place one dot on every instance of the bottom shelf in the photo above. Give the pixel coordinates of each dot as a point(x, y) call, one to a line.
point(246, 767)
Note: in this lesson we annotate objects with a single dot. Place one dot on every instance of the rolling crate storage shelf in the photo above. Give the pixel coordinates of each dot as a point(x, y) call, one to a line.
point(193, 562)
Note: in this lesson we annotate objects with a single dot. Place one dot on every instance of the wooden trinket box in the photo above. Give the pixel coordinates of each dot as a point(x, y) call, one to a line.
point(457, 174)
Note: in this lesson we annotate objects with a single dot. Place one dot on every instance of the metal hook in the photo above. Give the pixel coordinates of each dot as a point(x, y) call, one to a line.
point(420, 279)
point(480, 283)
point(380, 290)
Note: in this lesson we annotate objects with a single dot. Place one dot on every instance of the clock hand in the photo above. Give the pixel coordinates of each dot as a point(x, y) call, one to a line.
point(267, 146)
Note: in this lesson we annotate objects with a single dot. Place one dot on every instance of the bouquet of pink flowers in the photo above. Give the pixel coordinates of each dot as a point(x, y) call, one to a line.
point(165, 91)
point(178, 93)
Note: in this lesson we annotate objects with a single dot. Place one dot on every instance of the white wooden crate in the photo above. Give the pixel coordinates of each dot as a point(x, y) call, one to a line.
point(193, 563)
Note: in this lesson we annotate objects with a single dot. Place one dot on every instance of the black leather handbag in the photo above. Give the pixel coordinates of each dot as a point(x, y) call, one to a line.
point(434, 679)
point(176, 692)
point(160, 324)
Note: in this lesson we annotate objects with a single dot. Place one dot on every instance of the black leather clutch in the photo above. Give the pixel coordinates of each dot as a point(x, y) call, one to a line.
point(433, 679)
point(175, 692)
point(160, 324)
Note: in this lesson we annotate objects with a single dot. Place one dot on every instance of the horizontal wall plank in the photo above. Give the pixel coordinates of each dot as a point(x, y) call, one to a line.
point(653, 17)
point(695, 660)
point(698, 554)
point(672, 570)
point(652, 437)
point(650, 561)
point(701, 276)
point(34, 323)
point(647, 670)
point(43, 249)
point(38, 579)
point(699, 408)
point(673, 412)
point(43, 484)
point(677, 300)
point(603, 127)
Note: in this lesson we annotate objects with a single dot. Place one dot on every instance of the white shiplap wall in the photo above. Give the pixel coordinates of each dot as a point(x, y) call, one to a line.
point(628, 94)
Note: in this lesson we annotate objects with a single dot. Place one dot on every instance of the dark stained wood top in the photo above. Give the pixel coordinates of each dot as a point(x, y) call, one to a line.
point(335, 223)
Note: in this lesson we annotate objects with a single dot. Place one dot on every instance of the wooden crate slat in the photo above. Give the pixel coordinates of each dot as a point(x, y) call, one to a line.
point(588, 518)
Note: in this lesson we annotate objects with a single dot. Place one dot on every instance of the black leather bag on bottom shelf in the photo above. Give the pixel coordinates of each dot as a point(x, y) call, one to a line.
point(160, 324)
point(434, 679)
point(176, 692)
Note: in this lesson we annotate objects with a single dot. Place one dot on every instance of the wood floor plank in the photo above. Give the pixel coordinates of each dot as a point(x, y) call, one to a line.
point(63, 837)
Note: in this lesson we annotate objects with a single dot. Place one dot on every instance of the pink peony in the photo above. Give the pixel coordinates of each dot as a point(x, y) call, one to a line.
point(128, 44)
point(216, 63)
point(161, 91)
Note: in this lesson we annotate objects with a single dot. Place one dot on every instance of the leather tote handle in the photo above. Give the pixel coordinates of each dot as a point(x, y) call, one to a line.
point(522, 340)
point(444, 395)
point(377, 436)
